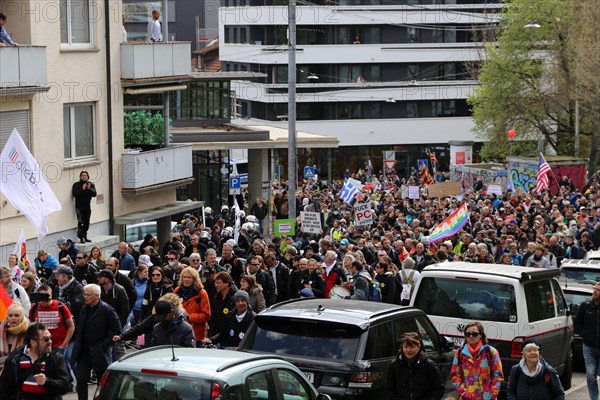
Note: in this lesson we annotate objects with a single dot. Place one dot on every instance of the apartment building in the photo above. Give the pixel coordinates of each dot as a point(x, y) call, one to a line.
point(62, 88)
point(379, 75)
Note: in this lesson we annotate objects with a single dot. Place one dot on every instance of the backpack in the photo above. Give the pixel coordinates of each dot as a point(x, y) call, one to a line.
point(408, 285)
point(374, 292)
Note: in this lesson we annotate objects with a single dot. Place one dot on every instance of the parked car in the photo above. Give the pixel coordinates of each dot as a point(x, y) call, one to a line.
point(575, 294)
point(135, 234)
point(580, 270)
point(344, 346)
point(166, 372)
point(513, 304)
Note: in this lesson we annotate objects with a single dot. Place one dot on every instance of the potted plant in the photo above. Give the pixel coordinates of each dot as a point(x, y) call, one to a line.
point(144, 130)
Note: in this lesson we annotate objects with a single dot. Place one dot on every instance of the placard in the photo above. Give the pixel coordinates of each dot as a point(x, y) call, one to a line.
point(444, 189)
point(404, 191)
point(285, 227)
point(494, 189)
point(363, 215)
point(311, 222)
point(413, 192)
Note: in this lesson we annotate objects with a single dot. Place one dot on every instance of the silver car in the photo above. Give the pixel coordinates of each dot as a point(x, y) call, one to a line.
point(167, 372)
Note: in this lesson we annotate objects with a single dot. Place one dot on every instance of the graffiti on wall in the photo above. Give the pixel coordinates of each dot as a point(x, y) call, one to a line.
point(523, 175)
point(470, 173)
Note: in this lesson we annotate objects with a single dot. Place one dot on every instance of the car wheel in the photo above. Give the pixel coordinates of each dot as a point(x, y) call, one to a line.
point(565, 378)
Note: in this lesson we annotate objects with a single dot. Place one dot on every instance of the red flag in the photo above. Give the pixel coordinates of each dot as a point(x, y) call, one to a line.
point(5, 302)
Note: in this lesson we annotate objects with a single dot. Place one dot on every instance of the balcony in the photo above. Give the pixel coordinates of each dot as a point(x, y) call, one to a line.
point(155, 60)
point(23, 67)
point(159, 169)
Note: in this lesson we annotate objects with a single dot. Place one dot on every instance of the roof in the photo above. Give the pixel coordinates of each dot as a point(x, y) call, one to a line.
point(594, 263)
point(509, 271)
point(249, 138)
point(190, 361)
point(358, 313)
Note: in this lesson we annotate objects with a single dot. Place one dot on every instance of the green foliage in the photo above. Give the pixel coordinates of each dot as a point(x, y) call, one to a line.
point(527, 81)
point(144, 128)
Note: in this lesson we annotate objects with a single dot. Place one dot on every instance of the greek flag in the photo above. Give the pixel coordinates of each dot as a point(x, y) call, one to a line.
point(349, 191)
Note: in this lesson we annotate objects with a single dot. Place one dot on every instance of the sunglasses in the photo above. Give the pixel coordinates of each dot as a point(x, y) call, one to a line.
point(410, 336)
point(472, 334)
point(194, 259)
point(156, 274)
point(46, 338)
point(80, 258)
point(171, 258)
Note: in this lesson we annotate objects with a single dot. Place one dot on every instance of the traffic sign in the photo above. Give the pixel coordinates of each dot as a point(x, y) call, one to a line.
point(235, 185)
point(309, 172)
point(389, 164)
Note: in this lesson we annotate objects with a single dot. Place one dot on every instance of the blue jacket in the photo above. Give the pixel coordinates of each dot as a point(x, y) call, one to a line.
point(126, 261)
point(543, 386)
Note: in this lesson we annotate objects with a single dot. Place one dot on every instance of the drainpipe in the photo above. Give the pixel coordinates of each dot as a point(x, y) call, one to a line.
point(111, 190)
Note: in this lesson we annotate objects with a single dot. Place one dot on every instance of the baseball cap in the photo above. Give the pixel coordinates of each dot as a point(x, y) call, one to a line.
point(344, 241)
point(145, 259)
point(63, 269)
point(105, 273)
point(61, 240)
point(163, 307)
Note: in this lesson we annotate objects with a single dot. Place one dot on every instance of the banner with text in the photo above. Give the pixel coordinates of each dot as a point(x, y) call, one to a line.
point(311, 222)
point(363, 215)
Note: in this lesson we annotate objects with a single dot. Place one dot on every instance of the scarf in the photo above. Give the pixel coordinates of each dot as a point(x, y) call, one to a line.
point(188, 291)
point(6, 330)
point(474, 350)
point(526, 371)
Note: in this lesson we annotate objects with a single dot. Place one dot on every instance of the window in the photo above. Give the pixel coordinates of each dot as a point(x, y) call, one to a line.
point(473, 300)
point(380, 343)
point(540, 301)
point(261, 386)
point(292, 386)
point(76, 22)
point(79, 131)
point(559, 300)
point(10, 120)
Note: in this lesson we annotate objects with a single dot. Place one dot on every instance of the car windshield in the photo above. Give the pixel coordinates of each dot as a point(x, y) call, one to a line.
point(581, 274)
point(304, 338)
point(122, 385)
point(468, 299)
point(575, 299)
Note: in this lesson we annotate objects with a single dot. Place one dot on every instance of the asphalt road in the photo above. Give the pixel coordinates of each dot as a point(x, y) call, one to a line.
point(578, 390)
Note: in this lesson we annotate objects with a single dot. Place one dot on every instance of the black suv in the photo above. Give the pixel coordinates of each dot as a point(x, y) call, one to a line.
point(344, 346)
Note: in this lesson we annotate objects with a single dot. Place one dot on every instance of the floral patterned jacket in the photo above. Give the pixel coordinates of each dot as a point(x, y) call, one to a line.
point(479, 376)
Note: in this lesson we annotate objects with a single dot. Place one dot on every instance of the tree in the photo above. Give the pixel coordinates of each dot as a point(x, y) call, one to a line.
point(527, 80)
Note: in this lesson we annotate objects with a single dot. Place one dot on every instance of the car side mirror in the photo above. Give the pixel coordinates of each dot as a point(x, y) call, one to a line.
point(573, 309)
point(323, 397)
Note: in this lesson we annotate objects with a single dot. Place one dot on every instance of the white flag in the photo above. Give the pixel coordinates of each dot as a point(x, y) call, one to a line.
point(23, 184)
point(236, 230)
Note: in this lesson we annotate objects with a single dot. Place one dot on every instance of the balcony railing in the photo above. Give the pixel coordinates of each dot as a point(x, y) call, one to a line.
point(23, 66)
point(157, 167)
point(155, 60)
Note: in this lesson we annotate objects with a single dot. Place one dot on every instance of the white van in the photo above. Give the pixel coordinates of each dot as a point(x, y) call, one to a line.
point(512, 303)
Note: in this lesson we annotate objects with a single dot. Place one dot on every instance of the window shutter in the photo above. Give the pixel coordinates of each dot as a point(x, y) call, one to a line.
point(14, 119)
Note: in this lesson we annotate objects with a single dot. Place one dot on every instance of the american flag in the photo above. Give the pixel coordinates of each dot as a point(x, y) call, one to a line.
point(542, 176)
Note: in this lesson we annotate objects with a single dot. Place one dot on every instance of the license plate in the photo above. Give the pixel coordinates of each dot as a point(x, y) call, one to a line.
point(458, 341)
point(310, 377)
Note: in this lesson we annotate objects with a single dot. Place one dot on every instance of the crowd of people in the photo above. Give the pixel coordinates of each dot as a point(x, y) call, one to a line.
point(204, 286)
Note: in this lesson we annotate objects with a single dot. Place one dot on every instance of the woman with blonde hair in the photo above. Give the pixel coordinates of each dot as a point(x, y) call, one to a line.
point(96, 258)
point(12, 331)
point(194, 300)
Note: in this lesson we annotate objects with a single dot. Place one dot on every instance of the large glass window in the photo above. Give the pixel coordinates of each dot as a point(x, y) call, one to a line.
point(79, 131)
point(76, 18)
point(467, 299)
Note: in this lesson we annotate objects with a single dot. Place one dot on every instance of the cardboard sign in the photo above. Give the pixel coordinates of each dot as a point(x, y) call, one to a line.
point(311, 222)
point(363, 215)
point(444, 189)
point(494, 189)
point(413, 192)
point(285, 227)
point(404, 191)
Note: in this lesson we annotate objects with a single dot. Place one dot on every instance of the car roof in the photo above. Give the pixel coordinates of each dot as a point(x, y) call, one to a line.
point(577, 287)
point(351, 312)
point(190, 361)
point(592, 255)
point(592, 264)
point(508, 271)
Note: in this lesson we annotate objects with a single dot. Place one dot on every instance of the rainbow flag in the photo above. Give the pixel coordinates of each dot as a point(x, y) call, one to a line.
point(5, 302)
point(450, 225)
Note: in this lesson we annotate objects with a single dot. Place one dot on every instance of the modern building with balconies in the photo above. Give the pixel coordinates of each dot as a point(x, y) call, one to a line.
point(379, 75)
point(63, 88)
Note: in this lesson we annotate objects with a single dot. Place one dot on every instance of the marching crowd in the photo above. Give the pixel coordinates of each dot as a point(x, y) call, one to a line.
point(205, 285)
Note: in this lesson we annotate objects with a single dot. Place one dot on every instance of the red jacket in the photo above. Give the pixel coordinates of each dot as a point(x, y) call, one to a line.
point(198, 309)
